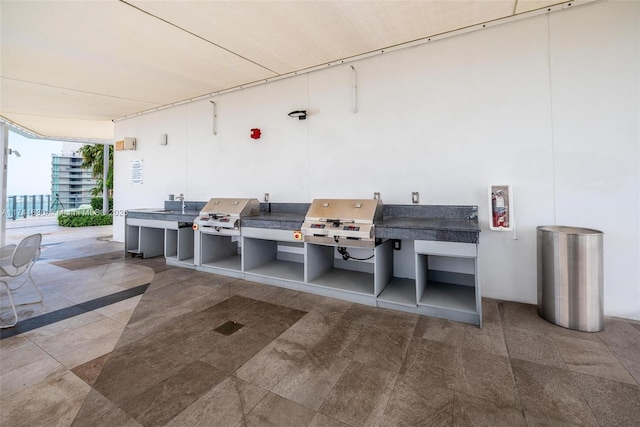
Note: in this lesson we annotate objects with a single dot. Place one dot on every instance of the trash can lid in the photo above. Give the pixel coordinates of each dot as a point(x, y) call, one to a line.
point(564, 229)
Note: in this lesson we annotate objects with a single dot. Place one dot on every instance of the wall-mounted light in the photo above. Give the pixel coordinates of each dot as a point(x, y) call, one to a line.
point(11, 151)
point(300, 114)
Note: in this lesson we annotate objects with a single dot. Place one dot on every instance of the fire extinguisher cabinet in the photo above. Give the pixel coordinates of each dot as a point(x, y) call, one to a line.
point(570, 277)
point(501, 216)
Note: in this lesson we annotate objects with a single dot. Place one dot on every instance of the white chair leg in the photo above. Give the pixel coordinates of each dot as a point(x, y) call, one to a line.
point(13, 307)
point(35, 285)
point(24, 282)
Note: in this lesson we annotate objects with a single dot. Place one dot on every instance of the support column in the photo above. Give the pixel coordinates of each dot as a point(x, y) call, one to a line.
point(4, 146)
point(105, 174)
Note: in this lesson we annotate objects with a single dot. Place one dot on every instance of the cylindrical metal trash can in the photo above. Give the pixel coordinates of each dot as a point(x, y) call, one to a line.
point(570, 277)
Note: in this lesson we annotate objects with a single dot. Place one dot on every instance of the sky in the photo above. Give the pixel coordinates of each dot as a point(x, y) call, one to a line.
point(31, 172)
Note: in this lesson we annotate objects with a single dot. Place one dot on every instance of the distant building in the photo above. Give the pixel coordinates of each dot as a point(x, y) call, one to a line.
point(70, 183)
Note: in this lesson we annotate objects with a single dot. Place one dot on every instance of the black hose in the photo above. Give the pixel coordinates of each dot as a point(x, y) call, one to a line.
point(346, 255)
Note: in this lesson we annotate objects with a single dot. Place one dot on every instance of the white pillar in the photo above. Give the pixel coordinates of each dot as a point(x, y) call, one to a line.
point(4, 145)
point(105, 173)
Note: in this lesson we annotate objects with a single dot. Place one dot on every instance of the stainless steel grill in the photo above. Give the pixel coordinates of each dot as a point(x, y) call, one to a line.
point(342, 222)
point(222, 216)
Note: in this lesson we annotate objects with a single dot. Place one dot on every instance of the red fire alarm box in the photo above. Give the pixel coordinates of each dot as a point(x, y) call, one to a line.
point(255, 133)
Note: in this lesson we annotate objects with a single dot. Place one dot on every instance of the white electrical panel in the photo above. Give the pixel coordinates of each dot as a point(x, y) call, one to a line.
point(126, 144)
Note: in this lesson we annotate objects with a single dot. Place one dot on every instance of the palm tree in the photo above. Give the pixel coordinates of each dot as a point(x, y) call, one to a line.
point(93, 158)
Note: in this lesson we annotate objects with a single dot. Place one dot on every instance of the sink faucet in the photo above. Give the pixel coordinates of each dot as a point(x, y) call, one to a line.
point(181, 198)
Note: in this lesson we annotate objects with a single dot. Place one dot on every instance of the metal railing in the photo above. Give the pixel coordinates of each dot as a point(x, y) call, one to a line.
point(29, 205)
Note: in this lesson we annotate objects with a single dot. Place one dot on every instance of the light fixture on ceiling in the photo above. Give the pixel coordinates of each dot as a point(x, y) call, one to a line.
point(300, 114)
point(11, 151)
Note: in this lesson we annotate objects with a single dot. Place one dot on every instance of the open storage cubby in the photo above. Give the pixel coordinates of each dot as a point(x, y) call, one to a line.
point(178, 244)
point(400, 291)
point(272, 258)
point(171, 244)
point(151, 243)
point(133, 239)
point(325, 267)
point(220, 251)
point(185, 244)
point(447, 281)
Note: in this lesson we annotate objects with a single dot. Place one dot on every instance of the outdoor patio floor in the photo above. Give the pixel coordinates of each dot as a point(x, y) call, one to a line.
point(151, 355)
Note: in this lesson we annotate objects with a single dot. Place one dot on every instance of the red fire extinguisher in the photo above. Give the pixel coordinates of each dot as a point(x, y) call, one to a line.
point(499, 209)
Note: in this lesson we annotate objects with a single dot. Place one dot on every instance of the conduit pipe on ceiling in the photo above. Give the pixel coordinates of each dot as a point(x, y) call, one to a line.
point(427, 39)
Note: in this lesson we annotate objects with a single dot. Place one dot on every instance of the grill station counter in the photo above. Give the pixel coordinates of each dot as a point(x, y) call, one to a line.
point(222, 216)
point(343, 222)
point(334, 252)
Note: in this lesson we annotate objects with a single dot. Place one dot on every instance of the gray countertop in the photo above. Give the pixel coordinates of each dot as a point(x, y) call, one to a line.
point(274, 220)
point(448, 230)
point(451, 229)
point(163, 214)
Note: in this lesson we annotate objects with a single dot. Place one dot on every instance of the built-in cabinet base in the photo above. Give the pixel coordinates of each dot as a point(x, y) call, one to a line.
point(446, 281)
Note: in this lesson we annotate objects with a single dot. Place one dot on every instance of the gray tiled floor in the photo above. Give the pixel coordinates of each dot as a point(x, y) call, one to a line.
point(299, 359)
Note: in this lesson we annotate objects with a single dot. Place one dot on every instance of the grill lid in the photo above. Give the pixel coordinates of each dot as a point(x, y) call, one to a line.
point(225, 212)
point(365, 211)
point(231, 207)
point(342, 222)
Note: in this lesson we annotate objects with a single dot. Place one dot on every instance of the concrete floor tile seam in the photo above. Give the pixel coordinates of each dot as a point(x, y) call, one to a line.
point(40, 358)
point(55, 330)
point(518, 390)
point(395, 381)
point(458, 401)
point(242, 408)
point(50, 345)
point(635, 345)
point(100, 387)
point(62, 413)
point(276, 388)
point(72, 310)
point(415, 360)
point(637, 384)
point(58, 358)
point(460, 378)
point(609, 350)
point(32, 378)
point(572, 381)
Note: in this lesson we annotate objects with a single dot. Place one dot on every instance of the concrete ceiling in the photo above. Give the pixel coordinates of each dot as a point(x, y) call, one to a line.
point(68, 68)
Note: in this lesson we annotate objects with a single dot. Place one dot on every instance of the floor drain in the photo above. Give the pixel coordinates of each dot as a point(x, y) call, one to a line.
point(229, 327)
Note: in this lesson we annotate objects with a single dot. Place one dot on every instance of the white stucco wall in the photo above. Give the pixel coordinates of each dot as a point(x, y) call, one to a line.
point(549, 105)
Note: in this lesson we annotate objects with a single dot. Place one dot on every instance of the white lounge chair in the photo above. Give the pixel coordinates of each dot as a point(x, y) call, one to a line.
point(15, 261)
